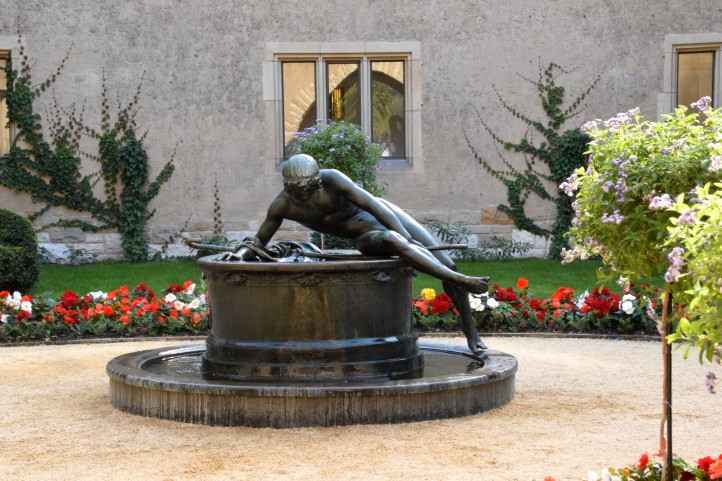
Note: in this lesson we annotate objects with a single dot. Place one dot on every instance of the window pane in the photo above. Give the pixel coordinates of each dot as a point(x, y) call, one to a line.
point(299, 99)
point(4, 128)
point(695, 76)
point(388, 111)
point(344, 100)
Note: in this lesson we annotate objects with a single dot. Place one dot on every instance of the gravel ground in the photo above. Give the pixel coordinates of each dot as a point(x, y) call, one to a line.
point(580, 405)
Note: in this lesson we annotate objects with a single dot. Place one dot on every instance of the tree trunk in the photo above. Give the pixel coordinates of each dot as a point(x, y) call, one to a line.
point(666, 444)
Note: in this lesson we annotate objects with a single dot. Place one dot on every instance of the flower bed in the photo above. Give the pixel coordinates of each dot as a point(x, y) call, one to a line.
point(647, 469)
point(515, 309)
point(181, 309)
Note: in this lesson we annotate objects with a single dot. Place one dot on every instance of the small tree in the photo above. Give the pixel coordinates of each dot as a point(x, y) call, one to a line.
point(624, 208)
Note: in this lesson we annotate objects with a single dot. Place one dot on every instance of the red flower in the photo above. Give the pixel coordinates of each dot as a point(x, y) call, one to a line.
point(173, 313)
point(175, 288)
point(125, 320)
point(422, 306)
point(536, 304)
point(601, 302)
point(22, 315)
point(108, 311)
point(505, 294)
point(187, 284)
point(687, 476)
point(4, 294)
point(69, 299)
point(441, 304)
point(549, 478)
point(563, 294)
point(557, 314)
point(69, 319)
point(540, 316)
point(705, 463)
point(26, 298)
point(643, 461)
point(715, 469)
point(522, 283)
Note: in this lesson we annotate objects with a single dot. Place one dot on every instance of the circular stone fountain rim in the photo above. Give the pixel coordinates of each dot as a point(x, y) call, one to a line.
point(211, 264)
point(128, 369)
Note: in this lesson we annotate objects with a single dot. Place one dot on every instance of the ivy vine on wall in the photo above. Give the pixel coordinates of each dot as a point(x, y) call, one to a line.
point(49, 169)
point(561, 151)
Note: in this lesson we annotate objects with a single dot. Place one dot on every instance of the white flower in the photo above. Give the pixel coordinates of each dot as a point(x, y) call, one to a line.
point(170, 298)
point(178, 305)
point(202, 299)
point(4, 318)
point(194, 304)
point(190, 290)
point(628, 307)
point(98, 295)
point(26, 306)
point(476, 303)
point(628, 297)
point(492, 303)
point(581, 299)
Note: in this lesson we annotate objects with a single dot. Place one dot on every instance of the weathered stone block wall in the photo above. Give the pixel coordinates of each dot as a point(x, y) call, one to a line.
point(203, 88)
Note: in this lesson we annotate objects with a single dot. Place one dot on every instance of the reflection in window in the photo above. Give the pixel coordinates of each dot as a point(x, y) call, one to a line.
point(4, 127)
point(695, 76)
point(388, 117)
point(344, 99)
point(299, 99)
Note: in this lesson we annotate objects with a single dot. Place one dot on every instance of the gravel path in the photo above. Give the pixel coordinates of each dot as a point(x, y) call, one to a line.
point(580, 405)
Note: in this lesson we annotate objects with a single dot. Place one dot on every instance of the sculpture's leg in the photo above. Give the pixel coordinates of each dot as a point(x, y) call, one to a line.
point(461, 301)
point(424, 261)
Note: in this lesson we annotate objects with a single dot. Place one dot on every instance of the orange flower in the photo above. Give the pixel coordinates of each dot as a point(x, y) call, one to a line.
point(125, 320)
point(186, 312)
point(522, 283)
point(549, 478)
point(196, 319)
point(715, 470)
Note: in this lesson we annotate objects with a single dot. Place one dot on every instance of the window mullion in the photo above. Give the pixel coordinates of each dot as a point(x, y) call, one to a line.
point(321, 92)
point(366, 96)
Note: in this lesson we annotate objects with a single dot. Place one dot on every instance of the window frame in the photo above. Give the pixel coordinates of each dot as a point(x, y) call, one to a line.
point(675, 44)
point(6, 54)
point(364, 53)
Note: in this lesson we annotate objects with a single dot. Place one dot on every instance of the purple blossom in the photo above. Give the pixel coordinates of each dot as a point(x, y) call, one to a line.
point(676, 262)
point(570, 185)
point(702, 104)
point(687, 218)
point(661, 202)
point(615, 218)
point(710, 382)
point(606, 187)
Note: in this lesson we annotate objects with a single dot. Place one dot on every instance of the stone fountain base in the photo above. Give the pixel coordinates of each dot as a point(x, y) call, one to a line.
point(171, 384)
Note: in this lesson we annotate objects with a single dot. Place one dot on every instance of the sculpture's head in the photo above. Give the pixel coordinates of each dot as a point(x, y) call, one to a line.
point(301, 176)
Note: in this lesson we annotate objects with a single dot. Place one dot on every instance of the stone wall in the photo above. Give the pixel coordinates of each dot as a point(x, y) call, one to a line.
point(203, 90)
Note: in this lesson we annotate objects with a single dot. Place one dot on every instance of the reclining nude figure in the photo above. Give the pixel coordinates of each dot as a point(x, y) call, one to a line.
point(327, 201)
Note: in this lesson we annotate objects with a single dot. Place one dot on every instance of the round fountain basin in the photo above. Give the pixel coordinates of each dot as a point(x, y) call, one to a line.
point(174, 384)
point(333, 320)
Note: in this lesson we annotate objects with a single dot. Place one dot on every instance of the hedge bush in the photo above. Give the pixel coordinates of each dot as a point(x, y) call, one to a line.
point(18, 253)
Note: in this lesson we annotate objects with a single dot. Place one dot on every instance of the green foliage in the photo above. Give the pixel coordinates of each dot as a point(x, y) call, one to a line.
point(18, 253)
point(560, 151)
point(50, 171)
point(699, 288)
point(342, 146)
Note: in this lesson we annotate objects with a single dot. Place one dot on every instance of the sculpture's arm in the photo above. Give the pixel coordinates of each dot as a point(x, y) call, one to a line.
point(369, 203)
point(274, 219)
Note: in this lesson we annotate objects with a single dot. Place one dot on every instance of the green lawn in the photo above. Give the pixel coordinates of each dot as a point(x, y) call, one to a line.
point(544, 276)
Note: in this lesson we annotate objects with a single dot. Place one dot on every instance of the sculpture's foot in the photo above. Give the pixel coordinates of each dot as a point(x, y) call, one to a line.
point(476, 285)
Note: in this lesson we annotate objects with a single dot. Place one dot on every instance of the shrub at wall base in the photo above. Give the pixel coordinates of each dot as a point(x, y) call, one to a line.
point(18, 252)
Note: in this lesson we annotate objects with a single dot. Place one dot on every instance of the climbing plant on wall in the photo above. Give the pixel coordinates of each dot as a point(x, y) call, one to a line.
point(561, 151)
point(48, 166)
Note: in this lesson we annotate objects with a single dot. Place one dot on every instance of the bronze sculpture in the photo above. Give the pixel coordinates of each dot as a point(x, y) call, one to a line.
point(329, 202)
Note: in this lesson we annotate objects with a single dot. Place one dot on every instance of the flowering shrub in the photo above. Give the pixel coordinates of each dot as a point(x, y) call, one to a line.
point(636, 167)
point(516, 309)
point(695, 266)
point(646, 469)
point(120, 312)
